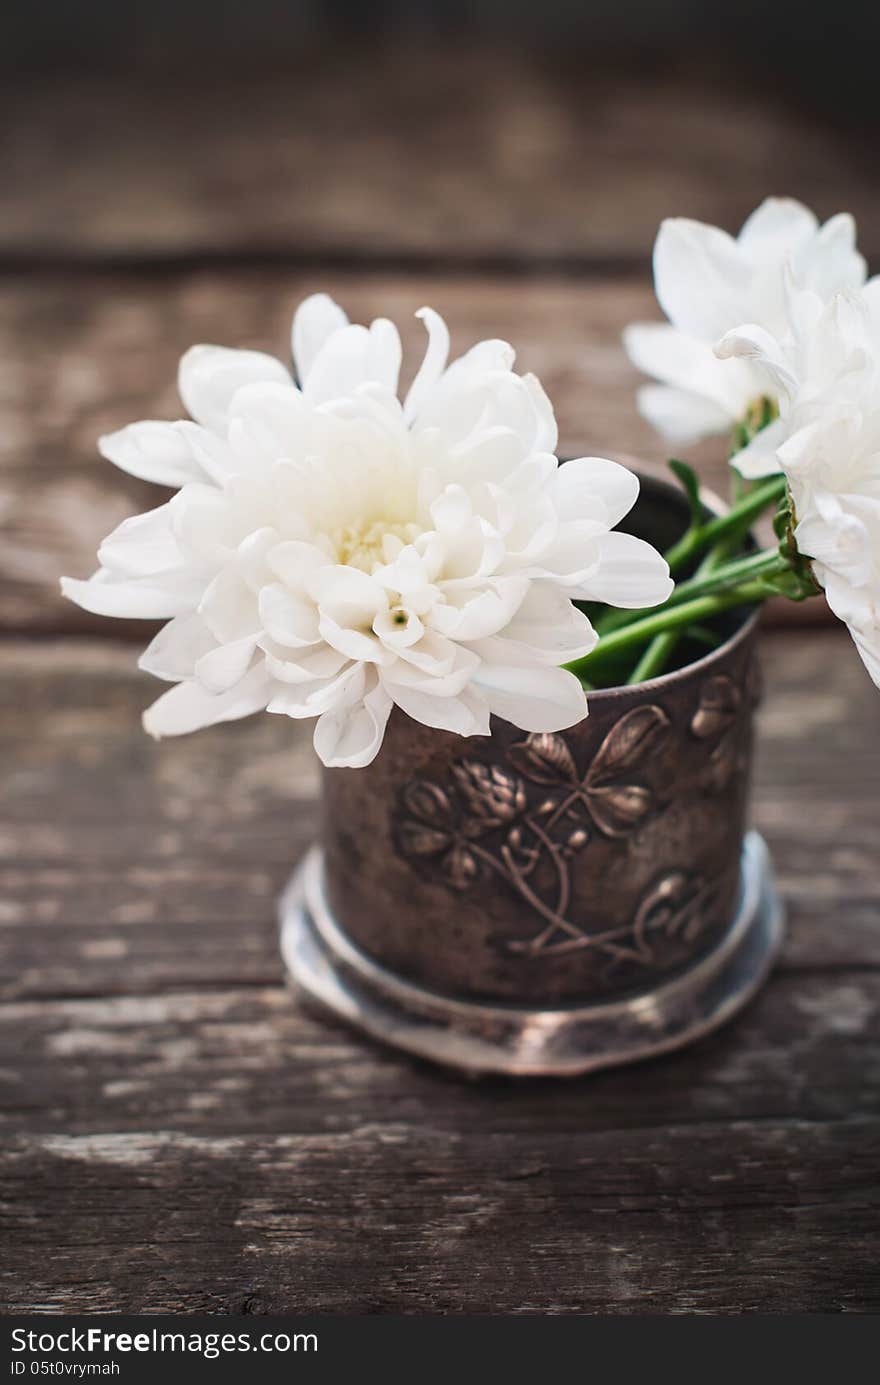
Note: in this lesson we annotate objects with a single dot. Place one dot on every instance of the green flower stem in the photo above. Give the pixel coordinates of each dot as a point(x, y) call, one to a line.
point(702, 634)
point(655, 657)
point(668, 618)
point(716, 535)
point(660, 650)
point(708, 578)
point(738, 519)
point(768, 563)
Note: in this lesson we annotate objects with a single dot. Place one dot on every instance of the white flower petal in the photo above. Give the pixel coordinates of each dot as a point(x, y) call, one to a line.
point(210, 375)
point(290, 619)
point(451, 510)
point(631, 574)
point(152, 451)
point(205, 524)
point(573, 555)
point(868, 645)
point(759, 458)
point(349, 736)
point(347, 595)
point(315, 662)
point(465, 714)
point(482, 614)
point(216, 459)
point(701, 276)
point(188, 707)
point(142, 598)
point(830, 263)
point(776, 228)
point(580, 483)
point(268, 420)
point(293, 562)
point(870, 297)
point(548, 627)
point(464, 397)
point(224, 667)
point(314, 322)
point(398, 628)
point(492, 455)
point(691, 366)
point(355, 644)
point(402, 673)
point(253, 557)
point(142, 545)
point(352, 356)
point(546, 433)
point(433, 654)
point(681, 417)
point(229, 607)
point(311, 699)
point(173, 653)
point(755, 343)
point(543, 699)
point(433, 364)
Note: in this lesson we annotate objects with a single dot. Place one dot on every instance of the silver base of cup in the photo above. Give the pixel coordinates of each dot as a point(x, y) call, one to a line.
point(481, 1038)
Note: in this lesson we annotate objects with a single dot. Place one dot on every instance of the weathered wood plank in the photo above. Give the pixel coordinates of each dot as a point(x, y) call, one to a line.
point(457, 155)
point(128, 867)
point(87, 354)
point(754, 1217)
point(252, 1060)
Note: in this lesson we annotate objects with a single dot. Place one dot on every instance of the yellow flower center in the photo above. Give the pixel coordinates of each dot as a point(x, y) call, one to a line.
point(368, 544)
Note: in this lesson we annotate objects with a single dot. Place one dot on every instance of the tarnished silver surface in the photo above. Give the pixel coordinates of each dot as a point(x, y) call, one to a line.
point(516, 1039)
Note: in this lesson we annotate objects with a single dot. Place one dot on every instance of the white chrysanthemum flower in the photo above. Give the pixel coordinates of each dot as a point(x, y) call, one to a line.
point(822, 358)
point(707, 283)
point(826, 370)
point(833, 471)
point(332, 552)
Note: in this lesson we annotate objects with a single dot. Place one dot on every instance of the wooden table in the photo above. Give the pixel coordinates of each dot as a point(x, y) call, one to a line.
point(178, 1134)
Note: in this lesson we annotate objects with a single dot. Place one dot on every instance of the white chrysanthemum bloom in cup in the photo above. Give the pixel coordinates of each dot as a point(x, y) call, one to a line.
point(333, 552)
point(822, 358)
point(833, 471)
point(826, 370)
point(708, 282)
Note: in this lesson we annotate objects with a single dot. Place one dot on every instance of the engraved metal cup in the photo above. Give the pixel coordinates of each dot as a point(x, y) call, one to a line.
point(549, 903)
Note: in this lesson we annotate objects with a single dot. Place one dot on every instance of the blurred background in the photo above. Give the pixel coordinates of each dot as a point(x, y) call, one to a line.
point(186, 170)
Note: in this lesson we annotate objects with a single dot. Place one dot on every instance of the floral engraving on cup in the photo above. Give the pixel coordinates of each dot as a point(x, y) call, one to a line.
point(524, 820)
point(718, 716)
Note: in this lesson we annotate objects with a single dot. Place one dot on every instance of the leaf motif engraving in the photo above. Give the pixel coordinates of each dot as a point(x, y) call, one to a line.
point(523, 818)
point(674, 907)
point(719, 703)
point(461, 867)
point(418, 839)
point(544, 758)
point(727, 759)
point(618, 809)
point(627, 745)
point(429, 803)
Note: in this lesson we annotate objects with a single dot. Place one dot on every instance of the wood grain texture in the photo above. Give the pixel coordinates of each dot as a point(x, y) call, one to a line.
point(179, 1134)
point(86, 354)
point(459, 156)
point(390, 1218)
